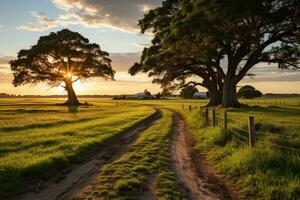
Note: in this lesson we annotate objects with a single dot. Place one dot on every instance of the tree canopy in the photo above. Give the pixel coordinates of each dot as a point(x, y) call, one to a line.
point(61, 57)
point(218, 42)
point(248, 92)
point(188, 92)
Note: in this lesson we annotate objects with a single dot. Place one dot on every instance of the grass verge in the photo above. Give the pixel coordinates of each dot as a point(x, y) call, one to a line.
point(263, 172)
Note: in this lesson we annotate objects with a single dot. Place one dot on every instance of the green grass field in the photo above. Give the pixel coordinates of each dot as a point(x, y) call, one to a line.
point(271, 170)
point(37, 136)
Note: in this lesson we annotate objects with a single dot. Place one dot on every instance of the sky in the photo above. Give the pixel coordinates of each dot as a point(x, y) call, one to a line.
point(113, 25)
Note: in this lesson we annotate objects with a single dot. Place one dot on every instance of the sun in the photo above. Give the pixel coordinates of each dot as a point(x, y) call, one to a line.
point(69, 75)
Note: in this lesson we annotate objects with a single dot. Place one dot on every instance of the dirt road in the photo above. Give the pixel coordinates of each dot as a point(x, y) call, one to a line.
point(197, 179)
point(65, 184)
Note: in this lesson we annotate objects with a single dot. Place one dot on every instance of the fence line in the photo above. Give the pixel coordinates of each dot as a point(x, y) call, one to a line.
point(276, 102)
point(239, 135)
point(225, 121)
point(235, 127)
point(278, 135)
point(282, 147)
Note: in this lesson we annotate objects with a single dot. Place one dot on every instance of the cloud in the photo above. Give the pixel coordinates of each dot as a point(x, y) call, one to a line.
point(123, 61)
point(266, 72)
point(44, 23)
point(4, 59)
point(3, 68)
point(121, 15)
point(141, 45)
point(5, 73)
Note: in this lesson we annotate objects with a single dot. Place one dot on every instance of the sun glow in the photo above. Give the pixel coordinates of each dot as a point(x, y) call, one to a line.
point(69, 75)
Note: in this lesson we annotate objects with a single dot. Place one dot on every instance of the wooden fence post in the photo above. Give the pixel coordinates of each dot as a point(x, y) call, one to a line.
point(182, 106)
point(206, 116)
point(225, 121)
point(190, 108)
point(251, 130)
point(214, 118)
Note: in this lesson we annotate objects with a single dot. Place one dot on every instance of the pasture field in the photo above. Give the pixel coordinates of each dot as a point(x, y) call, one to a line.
point(270, 170)
point(37, 136)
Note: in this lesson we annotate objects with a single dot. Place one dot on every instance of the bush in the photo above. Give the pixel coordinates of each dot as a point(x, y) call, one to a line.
point(248, 92)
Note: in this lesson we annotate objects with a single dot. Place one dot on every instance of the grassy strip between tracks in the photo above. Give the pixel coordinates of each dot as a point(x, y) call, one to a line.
point(148, 162)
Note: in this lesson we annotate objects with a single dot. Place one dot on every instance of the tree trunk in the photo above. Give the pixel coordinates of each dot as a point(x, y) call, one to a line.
point(72, 98)
point(229, 94)
point(215, 98)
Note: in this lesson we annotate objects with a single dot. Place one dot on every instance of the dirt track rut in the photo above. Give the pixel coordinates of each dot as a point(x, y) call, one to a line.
point(65, 184)
point(196, 178)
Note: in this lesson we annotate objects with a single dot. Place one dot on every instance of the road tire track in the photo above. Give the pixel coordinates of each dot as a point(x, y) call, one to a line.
point(194, 175)
point(66, 184)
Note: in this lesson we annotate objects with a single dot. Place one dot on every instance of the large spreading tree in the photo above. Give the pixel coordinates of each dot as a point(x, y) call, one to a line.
point(220, 41)
point(60, 59)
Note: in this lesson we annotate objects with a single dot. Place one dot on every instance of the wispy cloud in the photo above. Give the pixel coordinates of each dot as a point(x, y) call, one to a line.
point(123, 61)
point(4, 59)
point(4, 67)
point(121, 15)
point(266, 72)
point(141, 45)
point(44, 23)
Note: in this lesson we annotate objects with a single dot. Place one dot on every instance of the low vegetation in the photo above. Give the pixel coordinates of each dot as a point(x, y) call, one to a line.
point(147, 163)
point(266, 171)
point(270, 170)
point(37, 137)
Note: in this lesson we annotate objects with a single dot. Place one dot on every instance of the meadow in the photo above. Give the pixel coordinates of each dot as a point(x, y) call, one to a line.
point(270, 170)
point(37, 136)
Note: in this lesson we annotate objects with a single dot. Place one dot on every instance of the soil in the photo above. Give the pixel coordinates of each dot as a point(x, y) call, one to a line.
point(149, 193)
point(69, 181)
point(195, 176)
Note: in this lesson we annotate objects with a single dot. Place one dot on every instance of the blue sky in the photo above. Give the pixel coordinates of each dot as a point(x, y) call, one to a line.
point(15, 13)
point(113, 25)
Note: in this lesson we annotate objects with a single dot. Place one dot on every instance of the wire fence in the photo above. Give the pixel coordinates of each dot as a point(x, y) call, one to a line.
point(245, 133)
point(271, 102)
